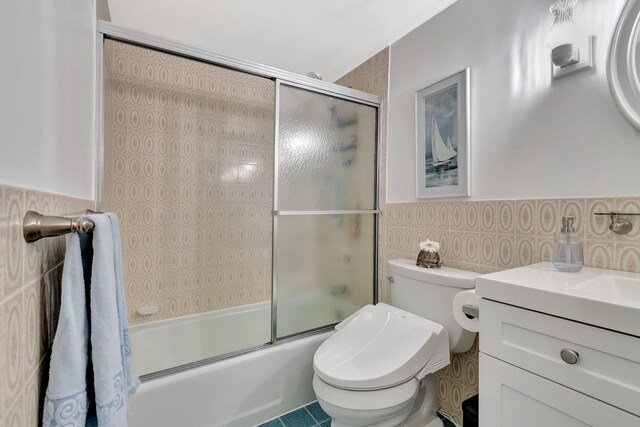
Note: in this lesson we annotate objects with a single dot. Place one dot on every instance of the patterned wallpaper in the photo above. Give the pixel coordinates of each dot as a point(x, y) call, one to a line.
point(189, 171)
point(486, 236)
point(29, 301)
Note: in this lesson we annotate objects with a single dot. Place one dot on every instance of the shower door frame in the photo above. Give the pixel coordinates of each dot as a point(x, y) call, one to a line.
point(107, 30)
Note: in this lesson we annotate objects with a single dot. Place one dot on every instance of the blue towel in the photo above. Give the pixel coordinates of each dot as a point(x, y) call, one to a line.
point(66, 397)
point(131, 379)
point(80, 393)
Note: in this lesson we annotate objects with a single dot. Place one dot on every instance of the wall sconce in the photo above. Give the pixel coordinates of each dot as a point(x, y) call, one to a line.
point(571, 48)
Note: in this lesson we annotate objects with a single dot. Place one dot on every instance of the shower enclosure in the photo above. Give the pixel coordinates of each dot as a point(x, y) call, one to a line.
point(247, 198)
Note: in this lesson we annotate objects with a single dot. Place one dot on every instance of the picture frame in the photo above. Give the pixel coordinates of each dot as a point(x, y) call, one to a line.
point(443, 143)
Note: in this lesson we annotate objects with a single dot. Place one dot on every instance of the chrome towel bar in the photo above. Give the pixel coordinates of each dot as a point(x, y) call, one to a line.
point(36, 226)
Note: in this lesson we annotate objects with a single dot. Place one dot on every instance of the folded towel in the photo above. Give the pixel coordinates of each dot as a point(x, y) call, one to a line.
point(106, 337)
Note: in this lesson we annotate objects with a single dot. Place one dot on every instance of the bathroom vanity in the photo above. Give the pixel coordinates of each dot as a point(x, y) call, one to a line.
point(559, 349)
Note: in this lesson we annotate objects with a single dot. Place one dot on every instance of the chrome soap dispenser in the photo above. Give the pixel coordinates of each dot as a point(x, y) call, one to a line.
point(568, 252)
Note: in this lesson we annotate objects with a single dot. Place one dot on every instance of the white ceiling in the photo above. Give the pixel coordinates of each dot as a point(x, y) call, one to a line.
point(330, 37)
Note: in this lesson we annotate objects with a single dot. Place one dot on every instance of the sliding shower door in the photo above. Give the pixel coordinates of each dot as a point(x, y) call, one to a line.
point(188, 168)
point(324, 222)
point(246, 197)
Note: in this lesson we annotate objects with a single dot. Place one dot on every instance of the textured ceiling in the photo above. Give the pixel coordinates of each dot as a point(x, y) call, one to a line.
point(330, 37)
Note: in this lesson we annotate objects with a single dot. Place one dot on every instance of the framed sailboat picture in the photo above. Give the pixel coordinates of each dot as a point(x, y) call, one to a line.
point(442, 138)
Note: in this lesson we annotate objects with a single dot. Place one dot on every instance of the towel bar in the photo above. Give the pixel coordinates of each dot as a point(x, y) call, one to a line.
point(36, 226)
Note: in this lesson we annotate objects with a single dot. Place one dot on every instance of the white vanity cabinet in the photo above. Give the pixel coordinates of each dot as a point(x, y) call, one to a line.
point(525, 382)
point(559, 349)
point(513, 397)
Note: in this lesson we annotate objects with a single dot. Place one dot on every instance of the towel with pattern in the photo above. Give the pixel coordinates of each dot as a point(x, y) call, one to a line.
point(90, 375)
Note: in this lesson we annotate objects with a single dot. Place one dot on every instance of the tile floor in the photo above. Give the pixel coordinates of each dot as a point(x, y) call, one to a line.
point(312, 415)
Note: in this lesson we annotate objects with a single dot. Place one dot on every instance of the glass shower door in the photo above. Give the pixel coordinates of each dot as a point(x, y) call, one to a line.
point(324, 222)
point(188, 168)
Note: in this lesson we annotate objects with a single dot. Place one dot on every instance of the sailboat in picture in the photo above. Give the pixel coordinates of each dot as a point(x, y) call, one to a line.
point(442, 153)
point(442, 138)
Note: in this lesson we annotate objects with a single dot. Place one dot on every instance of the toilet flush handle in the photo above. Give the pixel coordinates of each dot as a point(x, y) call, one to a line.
point(390, 279)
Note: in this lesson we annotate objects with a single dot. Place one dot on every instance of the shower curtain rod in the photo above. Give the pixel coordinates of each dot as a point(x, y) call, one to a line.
point(36, 226)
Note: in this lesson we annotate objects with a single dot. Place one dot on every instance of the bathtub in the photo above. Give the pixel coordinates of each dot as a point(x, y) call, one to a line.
point(241, 391)
point(168, 343)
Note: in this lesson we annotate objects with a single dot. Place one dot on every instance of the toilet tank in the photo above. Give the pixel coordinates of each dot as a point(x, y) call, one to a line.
point(428, 292)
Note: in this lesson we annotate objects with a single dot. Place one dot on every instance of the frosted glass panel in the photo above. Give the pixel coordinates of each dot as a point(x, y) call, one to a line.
point(325, 269)
point(327, 152)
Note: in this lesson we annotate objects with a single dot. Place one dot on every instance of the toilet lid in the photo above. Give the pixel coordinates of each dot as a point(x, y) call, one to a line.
point(380, 347)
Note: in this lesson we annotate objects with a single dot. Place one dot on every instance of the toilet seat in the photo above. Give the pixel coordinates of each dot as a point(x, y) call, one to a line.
point(380, 347)
point(367, 400)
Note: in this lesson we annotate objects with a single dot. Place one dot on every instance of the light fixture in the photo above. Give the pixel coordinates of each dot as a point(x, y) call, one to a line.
point(571, 48)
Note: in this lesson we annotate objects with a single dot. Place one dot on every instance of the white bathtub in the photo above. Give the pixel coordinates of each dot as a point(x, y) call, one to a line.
point(168, 343)
point(239, 392)
point(173, 342)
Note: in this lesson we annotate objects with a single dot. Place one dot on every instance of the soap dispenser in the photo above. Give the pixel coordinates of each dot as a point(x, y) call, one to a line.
point(568, 253)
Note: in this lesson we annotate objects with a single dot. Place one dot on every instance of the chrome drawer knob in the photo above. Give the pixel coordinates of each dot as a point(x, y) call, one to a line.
point(569, 356)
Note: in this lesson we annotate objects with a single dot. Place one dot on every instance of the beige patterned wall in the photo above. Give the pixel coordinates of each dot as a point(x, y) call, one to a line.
point(29, 301)
point(189, 171)
point(486, 236)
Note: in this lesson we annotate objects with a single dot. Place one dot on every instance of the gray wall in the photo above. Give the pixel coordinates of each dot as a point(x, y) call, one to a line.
point(47, 85)
point(532, 137)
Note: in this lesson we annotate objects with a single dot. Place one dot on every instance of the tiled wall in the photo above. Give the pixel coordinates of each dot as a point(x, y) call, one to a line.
point(486, 236)
point(189, 171)
point(29, 300)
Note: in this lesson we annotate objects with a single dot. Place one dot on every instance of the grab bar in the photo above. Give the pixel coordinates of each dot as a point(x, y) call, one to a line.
point(36, 226)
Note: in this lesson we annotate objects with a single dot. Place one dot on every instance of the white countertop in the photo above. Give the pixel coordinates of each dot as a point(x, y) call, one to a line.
point(605, 298)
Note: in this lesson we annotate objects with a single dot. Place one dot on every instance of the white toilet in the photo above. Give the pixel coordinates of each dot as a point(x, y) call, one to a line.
point(377, 369)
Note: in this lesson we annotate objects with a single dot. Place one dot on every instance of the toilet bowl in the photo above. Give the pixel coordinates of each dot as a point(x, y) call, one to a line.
point(378, 368)
point(368, 373)
point(385, 407)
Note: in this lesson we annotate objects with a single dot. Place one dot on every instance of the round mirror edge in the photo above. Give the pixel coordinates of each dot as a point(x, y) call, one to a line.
point(619, 55)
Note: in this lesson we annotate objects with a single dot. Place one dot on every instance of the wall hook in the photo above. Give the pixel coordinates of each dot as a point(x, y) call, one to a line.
point(619, 225)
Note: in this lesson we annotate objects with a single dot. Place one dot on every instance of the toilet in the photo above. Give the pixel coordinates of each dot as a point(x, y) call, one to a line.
point(378, 368)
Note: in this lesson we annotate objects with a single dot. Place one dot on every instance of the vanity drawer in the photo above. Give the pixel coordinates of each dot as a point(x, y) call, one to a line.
point(608, 365)
point(511, 396)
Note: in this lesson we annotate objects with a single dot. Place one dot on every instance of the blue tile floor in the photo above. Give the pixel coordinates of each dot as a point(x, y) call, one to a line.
point(312, 415)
